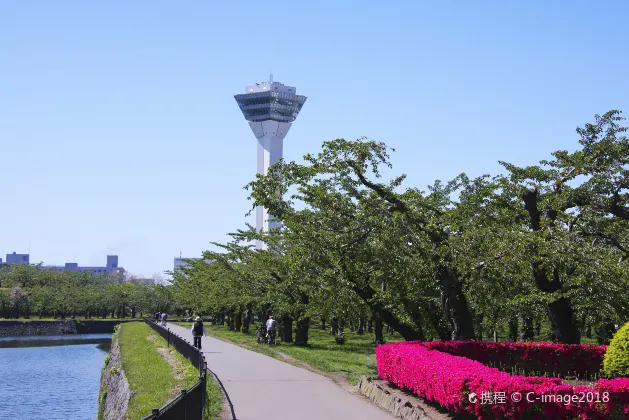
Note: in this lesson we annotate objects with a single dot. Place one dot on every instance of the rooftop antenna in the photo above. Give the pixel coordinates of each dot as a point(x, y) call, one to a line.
point(270, 77)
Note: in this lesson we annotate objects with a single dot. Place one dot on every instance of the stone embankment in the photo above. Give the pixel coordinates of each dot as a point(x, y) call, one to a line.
point(114, 388)
point(70, 326)
point(400, 404)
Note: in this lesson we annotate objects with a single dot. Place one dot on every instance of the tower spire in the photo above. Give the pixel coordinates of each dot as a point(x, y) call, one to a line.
point(270, 77)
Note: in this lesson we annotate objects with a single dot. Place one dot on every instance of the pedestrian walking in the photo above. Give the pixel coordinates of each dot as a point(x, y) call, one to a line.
point(164, 316)
point(198, 331)
point(156, 317)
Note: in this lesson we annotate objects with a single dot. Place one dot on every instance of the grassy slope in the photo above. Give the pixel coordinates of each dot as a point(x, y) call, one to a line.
point(214, 402)
point(150, 376)
point(354, 358)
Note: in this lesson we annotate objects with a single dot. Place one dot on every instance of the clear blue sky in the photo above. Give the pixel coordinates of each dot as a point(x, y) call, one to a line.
point(119, 131)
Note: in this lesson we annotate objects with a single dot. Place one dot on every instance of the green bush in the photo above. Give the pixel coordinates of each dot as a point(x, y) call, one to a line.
point(616, 361)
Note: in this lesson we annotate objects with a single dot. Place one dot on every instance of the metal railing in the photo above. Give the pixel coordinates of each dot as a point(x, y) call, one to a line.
point(190, 403)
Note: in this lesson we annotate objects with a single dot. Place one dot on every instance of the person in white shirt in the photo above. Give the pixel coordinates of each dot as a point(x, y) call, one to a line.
point(270, 329)
point(164, 316)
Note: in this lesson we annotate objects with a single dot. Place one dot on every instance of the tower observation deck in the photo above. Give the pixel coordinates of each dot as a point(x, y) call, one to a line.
point(270, 108)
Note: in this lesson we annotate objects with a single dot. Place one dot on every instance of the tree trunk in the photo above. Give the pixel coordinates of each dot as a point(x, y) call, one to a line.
point(287, 332)
point(230, 321)
point(605, 332)
point(513, 328)
point(561, 317)
point(361, 326)
point(454, 305)
point(409, 333)
point(370, 325)
point(479, 326)
point(301, 332)
point(133, 312)
point(238, 320)
point(323, 324)
point(527, 327)
point(351, 325)
point(378, 336)
point(334, 326)
point(538, 328)
point(560, 312)
point(245, 321)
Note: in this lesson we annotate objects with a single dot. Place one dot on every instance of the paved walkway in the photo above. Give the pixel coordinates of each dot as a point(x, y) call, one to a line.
point(263, 388)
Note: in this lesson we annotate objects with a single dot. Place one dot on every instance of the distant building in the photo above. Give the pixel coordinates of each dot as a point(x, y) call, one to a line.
point(109, 268)
point(17, 258)
point(180, 262)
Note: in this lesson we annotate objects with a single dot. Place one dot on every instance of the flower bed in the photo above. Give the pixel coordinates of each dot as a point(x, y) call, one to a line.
point(465, 386)
point(543, 357)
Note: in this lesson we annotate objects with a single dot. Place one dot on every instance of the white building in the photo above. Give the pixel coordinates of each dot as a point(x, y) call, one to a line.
point(270, 108)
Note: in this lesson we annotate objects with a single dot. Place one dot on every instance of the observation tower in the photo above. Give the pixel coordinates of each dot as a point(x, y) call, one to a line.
point(270, 108)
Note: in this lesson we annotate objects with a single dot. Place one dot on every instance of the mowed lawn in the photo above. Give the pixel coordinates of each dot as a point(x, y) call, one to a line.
point(354, 358)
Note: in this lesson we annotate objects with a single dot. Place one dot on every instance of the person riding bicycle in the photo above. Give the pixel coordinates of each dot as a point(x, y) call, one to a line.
point(271, 326)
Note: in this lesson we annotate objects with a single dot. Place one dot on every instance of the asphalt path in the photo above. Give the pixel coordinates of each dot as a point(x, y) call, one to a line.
point(263, 388)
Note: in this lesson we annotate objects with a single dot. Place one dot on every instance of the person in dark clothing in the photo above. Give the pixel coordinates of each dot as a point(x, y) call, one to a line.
point(198, 331)
point(156, 317)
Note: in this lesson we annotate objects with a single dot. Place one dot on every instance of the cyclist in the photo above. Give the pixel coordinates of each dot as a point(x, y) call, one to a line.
point(271, 326)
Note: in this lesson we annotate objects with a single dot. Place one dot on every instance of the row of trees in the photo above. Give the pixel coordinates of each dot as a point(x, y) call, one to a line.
point(27, 290)
point(542, 244)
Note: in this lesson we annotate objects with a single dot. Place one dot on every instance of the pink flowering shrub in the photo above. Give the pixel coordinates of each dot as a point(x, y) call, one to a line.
point(460, 384)
point(545, 357)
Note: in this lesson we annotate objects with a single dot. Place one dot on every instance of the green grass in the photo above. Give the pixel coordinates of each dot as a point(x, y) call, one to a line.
point(214, 401)
point(150, 376)
point(351, 360)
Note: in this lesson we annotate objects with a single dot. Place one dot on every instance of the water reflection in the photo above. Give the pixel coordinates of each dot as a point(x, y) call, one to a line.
point(102, 340)
point(51, 377)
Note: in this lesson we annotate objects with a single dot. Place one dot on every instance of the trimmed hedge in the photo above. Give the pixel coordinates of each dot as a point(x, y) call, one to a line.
point(616, 362)
point(542, 357)
point(450, 381)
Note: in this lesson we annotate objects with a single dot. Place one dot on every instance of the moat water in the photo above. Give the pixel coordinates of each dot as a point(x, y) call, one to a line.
point(51, 377)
